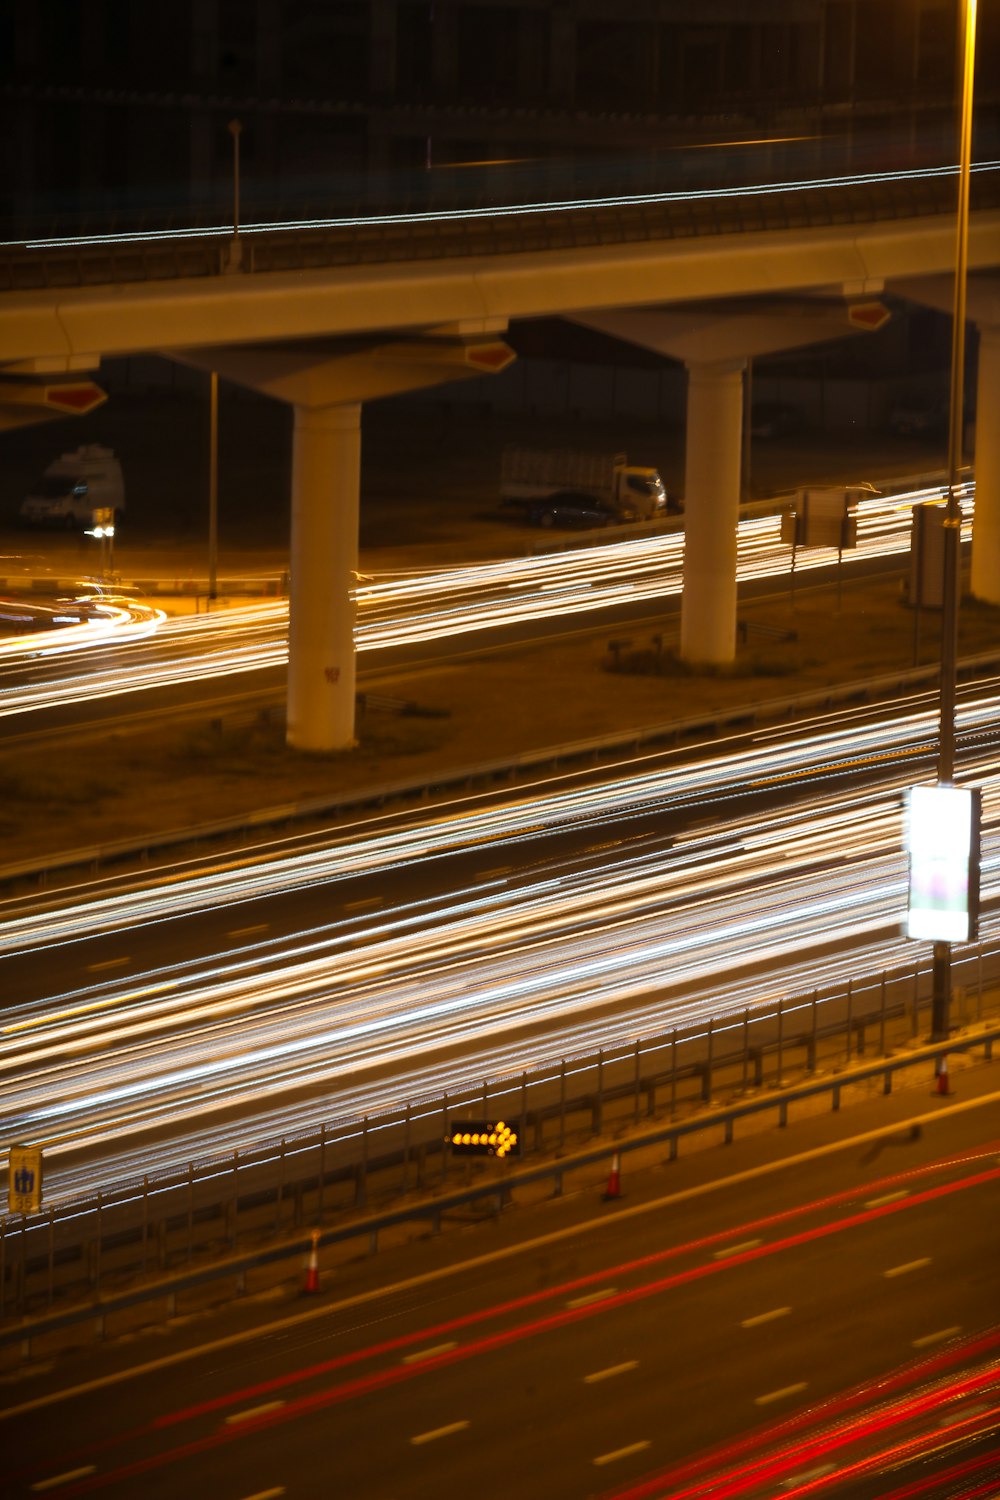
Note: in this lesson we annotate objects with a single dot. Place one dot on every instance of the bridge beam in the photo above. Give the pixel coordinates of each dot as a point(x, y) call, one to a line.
point(983, 307)
point(712, 510)
point(326, 481)
point(327, 387)
point(985, 583)
point(715, 340)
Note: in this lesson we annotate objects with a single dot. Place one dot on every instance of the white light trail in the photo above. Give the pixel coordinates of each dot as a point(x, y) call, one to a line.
point(441, 604)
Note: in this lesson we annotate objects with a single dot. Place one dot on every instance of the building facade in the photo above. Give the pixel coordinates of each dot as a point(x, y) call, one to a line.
point(113, 105)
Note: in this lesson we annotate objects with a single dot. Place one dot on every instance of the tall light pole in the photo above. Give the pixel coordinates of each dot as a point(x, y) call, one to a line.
point(952, 531)
point(235, 248)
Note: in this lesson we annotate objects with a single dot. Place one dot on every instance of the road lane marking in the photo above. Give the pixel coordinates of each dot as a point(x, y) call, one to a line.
point(610, 1458)
point(414, 1359)
point(498, 874)
point(936, 1338)
point(807, 1476)
point(438, 1432)
point(378, 1293)
point(612, 1370)
point(910, 1265)
point(768, 1317)
point(786, 1390)
point(248, 931)
point(887, 1198)
point(107, 963)
point(590, 1297)
point(267, 1494)
point(362, 903)
point(253, 1411)
point(736, 1249)
point(50, 1484)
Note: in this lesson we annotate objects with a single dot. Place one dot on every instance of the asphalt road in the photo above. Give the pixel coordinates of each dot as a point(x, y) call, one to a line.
point(601, 1349)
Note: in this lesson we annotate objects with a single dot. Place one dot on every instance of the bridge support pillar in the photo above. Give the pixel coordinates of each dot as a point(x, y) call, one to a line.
point(986, 530)
point(326, 478)
point(712, 510)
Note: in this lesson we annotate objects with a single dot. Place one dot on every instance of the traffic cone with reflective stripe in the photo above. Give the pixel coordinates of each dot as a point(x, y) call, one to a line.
point(311, 1283)
point(614, 1187)
point(941, 1073)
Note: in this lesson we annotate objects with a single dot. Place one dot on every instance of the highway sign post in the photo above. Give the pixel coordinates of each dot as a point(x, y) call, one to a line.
point(24, 1180)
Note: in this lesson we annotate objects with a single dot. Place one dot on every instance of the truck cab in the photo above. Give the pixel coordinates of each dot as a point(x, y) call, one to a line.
point(73, 487)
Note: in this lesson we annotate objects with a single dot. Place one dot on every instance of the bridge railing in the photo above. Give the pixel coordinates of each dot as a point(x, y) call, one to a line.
point(364, 239)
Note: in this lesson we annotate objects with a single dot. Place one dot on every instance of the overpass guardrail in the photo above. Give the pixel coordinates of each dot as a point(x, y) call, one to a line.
point(326, 240)
point(149, 1241)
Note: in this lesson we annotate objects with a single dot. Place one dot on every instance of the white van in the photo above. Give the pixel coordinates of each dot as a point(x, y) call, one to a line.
point(73, 487)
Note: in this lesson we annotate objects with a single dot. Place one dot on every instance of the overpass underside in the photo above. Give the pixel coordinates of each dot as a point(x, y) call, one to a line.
point(329, 317)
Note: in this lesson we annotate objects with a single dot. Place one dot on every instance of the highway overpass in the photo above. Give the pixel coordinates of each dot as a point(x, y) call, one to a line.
point(327, 315)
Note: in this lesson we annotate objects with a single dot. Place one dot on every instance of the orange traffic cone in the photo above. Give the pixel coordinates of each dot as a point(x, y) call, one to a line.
point(614, 1187)
point(941, 1074)
point(311, 1283)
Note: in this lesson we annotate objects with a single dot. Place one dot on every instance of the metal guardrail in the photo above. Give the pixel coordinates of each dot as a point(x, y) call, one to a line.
point(504, 768)
point(499, 1192)
point(499, 230)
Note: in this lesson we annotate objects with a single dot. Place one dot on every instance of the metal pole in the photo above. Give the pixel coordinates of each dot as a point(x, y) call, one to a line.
point(213, 484)
point(952, 530)
point(235, 249)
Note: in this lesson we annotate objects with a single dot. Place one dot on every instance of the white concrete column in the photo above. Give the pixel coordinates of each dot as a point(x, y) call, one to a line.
point(326, 477)
point(986, 526)
point(711, 510)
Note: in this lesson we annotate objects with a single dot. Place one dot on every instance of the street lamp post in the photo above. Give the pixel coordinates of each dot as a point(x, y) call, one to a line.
point(235, 247)
point(952, 531)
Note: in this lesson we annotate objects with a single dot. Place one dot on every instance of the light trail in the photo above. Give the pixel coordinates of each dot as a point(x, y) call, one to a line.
point(439, 605)
point(524, 209)
point(582, 952)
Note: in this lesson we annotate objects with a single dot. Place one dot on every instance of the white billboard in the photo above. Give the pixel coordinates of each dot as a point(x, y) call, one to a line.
point(942, 841)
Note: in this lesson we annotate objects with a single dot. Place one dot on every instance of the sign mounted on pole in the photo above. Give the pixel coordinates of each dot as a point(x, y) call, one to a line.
point(942, 841)
point(24, 1180)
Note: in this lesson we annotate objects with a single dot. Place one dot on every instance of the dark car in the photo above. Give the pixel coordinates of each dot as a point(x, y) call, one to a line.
point(577, 510)
point(772, 419)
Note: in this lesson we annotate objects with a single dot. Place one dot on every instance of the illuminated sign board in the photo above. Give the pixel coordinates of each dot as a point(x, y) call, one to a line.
point(483, 1138)
point(942, 841)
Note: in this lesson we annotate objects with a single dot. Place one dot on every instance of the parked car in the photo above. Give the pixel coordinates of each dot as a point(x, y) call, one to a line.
point(772, 419)
point(579, 510)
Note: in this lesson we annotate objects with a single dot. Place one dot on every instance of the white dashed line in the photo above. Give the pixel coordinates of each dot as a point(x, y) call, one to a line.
point(414, 1359)
point(907, 1267)
point(768, 1317)
point(936, 1338)
point(253, 1411)
point(612, 1370)
point(50, 1484)
point(602, 1296)
point(610, 1458)
point(786, 1390)
point(439, 1432)
point(887, 1198)
point(736, 1249)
